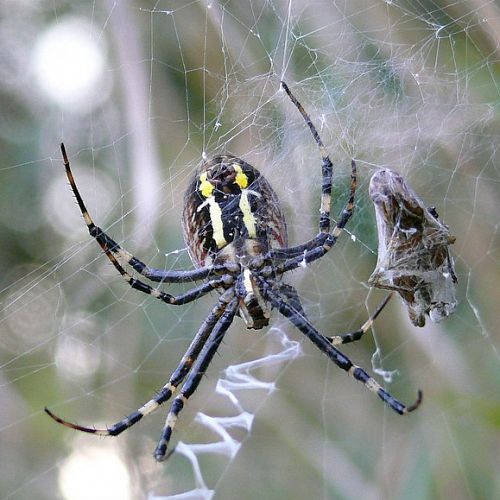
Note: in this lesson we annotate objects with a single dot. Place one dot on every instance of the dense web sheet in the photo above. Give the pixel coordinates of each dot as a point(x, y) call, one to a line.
point(140, 92)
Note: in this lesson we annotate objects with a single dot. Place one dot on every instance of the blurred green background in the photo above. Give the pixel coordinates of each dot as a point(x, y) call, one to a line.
point(140, 92)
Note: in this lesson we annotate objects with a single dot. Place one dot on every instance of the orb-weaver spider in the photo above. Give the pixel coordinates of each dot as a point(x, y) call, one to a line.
point(236, 236)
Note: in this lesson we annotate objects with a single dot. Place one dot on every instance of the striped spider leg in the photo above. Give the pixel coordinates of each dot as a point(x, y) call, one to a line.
point(293, 298)
point(195, 375)
point(120, 257)
point(326, 191)
point(218, 320)
point(326, 346)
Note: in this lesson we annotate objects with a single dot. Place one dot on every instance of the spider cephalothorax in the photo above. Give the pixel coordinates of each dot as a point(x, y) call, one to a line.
point(236, 236)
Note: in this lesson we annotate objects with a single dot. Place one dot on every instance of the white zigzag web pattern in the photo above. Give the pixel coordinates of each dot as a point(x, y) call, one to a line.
point(234, 378)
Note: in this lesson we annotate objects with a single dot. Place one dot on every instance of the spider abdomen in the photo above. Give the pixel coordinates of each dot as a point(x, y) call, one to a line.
point(231, 213)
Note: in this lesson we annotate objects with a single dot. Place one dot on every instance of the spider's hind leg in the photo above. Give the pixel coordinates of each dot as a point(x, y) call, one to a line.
point(191, 384)
point(182, 370)
point(340, 359)
point(293, 298)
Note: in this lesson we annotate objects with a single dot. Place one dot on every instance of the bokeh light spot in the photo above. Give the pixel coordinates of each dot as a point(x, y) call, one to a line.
point(68, 63)
point(94, 472)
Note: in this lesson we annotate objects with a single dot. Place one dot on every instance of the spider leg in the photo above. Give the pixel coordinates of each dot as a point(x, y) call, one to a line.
point(286, 253)
point(194, 378)
point(326, 190)
point(336, 356)
point(122, 256)
point(184, 298)
point(115, 254)
point(291, 294)
point(294, 300)
point(346, 338)
point(326, 169)
point(175, 379)
point(324, 247)
point(317, 247)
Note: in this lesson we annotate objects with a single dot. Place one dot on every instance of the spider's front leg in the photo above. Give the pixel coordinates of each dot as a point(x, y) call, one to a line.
point(324, 238)
point(317, 247)
point(326, 169)
point(120, 257)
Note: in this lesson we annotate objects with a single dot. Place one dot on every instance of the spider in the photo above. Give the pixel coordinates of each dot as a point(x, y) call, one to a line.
point(236, 236)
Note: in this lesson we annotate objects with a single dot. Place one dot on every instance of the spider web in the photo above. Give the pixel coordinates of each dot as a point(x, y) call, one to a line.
point(140, 93)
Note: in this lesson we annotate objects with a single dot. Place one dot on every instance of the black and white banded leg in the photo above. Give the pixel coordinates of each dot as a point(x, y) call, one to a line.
point(120, 257)
point(292, 296)
point(326, 189)
point(347, 338)
point(326, 168)
point(342, 361)
point(190, 385)
point(184, 367)
point(316, 248)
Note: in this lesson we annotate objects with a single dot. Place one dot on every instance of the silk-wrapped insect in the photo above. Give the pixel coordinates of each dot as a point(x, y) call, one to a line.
point(413, 250)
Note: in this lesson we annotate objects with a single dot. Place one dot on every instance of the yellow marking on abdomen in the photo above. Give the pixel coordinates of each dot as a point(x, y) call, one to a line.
point(217, 224)
point(241, 178)
point(248, 216)
point(206, 187)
